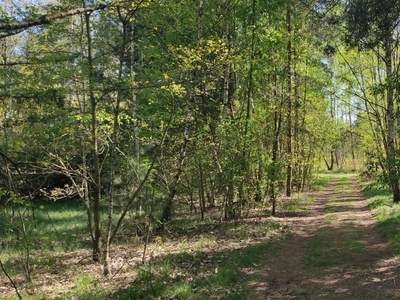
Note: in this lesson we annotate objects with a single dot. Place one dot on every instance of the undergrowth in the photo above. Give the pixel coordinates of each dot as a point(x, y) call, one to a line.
point(191, 259)
point(387, 214)
point(197, 276)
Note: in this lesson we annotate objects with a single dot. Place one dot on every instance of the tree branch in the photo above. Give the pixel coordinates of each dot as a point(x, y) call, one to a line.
point(10, 279)
point(9, 29)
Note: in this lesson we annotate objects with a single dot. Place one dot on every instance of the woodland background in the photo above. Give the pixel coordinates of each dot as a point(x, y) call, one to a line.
point(133, 108)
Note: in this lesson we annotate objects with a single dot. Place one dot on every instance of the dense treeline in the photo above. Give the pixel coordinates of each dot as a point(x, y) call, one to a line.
point(135, 104)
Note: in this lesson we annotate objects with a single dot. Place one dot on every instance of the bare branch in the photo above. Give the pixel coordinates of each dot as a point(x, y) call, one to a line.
point(10, 279)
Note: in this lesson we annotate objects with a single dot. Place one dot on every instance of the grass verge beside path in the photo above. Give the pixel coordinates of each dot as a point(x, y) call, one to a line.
point(386, 213)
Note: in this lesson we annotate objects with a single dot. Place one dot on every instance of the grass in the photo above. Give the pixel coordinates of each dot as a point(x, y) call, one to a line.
point(302, 292)
point(328, 250)
point(202, 274)
point(298, 204)
point(197, 276)
point(336, 243)
point(321, 181)
point(386, 213)
point(58, 228)
point(191, 259)
point(324, 177)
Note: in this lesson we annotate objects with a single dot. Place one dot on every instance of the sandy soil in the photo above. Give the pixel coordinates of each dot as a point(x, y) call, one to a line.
point(365, 269)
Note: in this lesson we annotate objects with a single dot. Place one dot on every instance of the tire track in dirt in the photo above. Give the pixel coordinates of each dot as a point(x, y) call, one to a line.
point(351, 261)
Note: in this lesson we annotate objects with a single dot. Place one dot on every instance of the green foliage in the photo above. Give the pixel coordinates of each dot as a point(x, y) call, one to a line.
point(370, 22)
point(162, 69)
point(20, 232)
point(386, 213)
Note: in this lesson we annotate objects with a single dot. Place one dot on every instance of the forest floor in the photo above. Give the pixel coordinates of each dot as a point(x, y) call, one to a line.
point(321, 245)
point(335, 252)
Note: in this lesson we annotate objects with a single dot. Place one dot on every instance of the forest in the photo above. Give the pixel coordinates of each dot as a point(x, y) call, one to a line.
point(146, 115)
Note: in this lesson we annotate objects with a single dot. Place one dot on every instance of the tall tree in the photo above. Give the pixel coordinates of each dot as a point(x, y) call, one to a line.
point(372, 25)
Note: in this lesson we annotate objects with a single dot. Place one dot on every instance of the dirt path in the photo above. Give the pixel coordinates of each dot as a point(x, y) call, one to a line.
point(335, 252)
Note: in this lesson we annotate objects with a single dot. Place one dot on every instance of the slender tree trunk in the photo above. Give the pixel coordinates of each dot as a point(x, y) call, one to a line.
point(302, 142)
point(201, 189)
point(96, 182)
point(228, 74)
point(297, 153)
point(275, 151)
point(85, 196)
point(351, 135)
point(274, 171)
point(245, 152)
point(250, 74)
point(376, 137)
point(114, 141)
point(289, 172)
point(167, 211)
point(132, 67)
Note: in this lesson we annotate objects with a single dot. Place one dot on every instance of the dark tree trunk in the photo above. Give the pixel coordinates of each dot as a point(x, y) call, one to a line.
point(289, 171)
point(391, 124)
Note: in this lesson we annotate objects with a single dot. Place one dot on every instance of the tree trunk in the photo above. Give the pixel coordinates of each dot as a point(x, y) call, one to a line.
point(391, 125)
point(96, 182)
point(352, 144)
point(126, 35)
point(228, 80)
point(201, 189)
point(167, 211)
point(273, 171)
point(289, 172)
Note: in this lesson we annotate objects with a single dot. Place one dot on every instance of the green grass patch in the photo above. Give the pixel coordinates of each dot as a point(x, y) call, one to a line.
point(342, 180)
point(252, 255)
point(302, 292)
point(338, 200)
point(205, 262)
point(320, 182)
point(386, 213)
point(335, 244)
point(333, 247)
point(86, 288)
point(197, 275)
point(57, 225)
point(296, 204)
point(323, 178)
